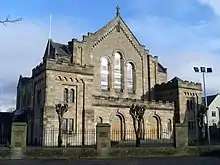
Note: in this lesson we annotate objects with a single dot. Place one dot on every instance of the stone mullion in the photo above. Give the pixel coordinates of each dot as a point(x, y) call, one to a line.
point(134, 79)
point(125, 78)
point(110, 77)
point(122, 75)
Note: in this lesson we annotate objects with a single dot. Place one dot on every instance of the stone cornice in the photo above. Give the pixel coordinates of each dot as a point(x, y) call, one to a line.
point(84, 70)
point(127, 102)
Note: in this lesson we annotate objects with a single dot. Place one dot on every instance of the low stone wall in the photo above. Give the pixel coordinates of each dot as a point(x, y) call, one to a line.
point(91, 153)
point(102, 140)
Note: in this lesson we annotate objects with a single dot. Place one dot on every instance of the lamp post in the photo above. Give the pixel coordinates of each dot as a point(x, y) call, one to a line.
point(204, 70)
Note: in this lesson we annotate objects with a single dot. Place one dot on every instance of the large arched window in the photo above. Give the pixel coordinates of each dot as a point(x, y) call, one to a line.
point(117, 71)
point(104, 73)
point(130, 77)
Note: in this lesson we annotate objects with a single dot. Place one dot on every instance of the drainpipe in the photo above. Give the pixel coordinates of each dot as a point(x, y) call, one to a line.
point(149, 79)
point(196, 117)
point(83, 114)
point(143, 78)
point(32, 115)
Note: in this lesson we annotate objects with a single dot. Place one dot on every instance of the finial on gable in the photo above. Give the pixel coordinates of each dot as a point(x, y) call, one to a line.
point(117, 10)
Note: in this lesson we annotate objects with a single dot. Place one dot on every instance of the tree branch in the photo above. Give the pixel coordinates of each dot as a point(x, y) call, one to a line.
point(8, 20)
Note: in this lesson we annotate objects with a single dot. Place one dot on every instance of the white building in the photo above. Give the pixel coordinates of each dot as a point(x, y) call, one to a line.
point(214, 110)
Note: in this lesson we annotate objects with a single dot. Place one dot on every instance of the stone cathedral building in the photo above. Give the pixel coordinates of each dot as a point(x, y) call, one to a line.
point(100, 77)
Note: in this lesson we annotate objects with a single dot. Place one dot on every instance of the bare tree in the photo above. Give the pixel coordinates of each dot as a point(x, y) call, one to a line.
point(137, 113)
point(60, 110)
point(8, 20)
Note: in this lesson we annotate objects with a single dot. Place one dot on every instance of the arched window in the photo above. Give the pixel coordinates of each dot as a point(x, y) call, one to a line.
point(65, 95)
point(60, 78)
point(72, 95)
point(104, 73)
point(130, 77)
point(117, 71)
point(65, 79)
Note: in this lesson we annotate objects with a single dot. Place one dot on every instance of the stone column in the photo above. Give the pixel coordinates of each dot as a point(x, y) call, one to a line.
point(181, 135)
point(103, 142)
point(18, 139)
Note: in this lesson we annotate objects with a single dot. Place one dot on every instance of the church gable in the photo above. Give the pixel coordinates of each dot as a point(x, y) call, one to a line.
point(115, 25)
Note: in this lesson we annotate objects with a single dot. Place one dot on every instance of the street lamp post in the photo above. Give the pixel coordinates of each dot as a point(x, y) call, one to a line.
point(204, 70)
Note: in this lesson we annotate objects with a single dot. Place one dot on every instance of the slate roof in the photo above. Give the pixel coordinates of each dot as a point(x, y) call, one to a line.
point(61, 49)
point(58, 48)
point(161, 68)
point(176, 79)
point(21, 111)
point(210, 99)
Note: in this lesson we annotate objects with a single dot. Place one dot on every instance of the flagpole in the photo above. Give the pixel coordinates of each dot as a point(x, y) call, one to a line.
point(49, 40)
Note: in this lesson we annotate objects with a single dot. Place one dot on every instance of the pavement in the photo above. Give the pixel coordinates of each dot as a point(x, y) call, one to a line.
point(183, 160)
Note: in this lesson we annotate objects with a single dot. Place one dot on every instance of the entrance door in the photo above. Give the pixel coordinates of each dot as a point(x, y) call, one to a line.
point(116, 127)
point(154, 128)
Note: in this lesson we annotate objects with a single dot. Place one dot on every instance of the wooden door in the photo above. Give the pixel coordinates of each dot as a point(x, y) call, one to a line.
point(154, 128)
point(116, 129)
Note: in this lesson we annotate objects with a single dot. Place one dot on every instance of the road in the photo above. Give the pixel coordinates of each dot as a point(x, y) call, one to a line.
point(144, 161)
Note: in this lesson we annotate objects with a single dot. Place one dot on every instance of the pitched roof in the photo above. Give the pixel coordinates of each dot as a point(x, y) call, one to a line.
point(176, 79)
point(61, 49)
point(210, 99)
point(21, 111)
point(58, 48)
point(161, 68)
point(112, 23)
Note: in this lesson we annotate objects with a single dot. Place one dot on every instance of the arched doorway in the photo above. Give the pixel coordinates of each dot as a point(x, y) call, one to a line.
point(155, 127)
point(117, 127)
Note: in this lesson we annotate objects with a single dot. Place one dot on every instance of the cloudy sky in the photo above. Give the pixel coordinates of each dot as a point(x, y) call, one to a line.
point(183, 33)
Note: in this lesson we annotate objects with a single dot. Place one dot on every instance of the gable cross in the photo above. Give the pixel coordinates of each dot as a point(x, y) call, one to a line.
point(118, 10)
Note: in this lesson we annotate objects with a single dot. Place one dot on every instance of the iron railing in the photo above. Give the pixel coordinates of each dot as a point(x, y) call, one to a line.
point(69, 138)
point(149, 138)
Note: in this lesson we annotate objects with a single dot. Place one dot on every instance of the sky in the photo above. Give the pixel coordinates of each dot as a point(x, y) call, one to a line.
point(182, 33)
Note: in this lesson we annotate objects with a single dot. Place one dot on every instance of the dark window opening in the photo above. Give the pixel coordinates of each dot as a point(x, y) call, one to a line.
point(72, 95)
point(65, 97)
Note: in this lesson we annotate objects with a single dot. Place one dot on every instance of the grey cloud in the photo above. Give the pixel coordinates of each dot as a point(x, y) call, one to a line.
point(8, 87)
